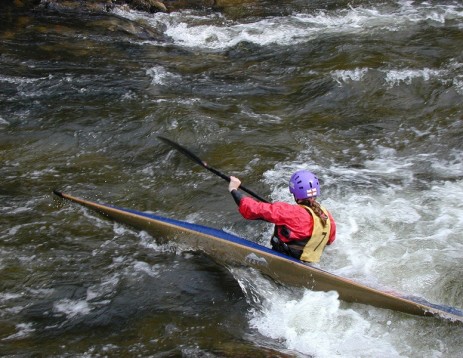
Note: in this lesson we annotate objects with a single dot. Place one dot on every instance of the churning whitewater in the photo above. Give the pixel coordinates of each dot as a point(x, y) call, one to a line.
point(367, 95)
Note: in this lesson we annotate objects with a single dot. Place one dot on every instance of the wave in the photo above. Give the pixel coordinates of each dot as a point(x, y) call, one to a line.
point(214, 32)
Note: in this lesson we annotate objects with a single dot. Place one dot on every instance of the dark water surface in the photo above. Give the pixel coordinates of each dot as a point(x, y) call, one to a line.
point(368, 95)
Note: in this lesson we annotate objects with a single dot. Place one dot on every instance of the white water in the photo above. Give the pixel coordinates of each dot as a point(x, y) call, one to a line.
point(215, 32)
point(318, 324)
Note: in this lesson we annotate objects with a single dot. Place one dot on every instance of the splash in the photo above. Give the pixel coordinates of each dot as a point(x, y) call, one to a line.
point(312, 323)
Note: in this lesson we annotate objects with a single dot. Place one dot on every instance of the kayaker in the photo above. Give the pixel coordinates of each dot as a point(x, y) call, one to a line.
point(302, 230)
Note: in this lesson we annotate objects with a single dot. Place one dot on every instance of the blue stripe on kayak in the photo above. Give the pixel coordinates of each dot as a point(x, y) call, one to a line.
point(211, 232)
point(448, 309)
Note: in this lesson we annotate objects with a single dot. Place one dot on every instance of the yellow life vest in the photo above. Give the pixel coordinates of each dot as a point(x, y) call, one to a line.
point(320, 235)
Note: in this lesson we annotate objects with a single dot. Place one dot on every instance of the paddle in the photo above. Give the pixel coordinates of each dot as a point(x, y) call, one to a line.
point(198, 160)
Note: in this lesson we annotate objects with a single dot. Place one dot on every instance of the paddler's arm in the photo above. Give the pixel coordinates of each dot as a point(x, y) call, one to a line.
point(233, 189)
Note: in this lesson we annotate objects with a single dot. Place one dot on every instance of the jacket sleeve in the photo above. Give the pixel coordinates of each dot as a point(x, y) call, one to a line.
point(272, 212)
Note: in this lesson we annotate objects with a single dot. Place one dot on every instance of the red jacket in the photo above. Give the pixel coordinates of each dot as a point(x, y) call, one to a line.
point(294, 217)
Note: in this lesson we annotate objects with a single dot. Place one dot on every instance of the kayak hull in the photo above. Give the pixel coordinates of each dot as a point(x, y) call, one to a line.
point(230, 249)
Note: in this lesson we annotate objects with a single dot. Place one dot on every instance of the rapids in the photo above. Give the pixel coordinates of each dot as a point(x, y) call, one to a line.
point(366, 94)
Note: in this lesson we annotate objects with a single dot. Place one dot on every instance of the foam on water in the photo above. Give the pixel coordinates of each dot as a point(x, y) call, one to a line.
point(407, 75)
point(141, 267)
point(160, 76)
point(71, 308)
point(214, 32)
point(396, 77)
point(23, 330)
point(349, 75)
point(315, 324)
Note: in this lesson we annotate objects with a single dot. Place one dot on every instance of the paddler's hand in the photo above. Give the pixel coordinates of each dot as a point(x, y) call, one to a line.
point(234, 183)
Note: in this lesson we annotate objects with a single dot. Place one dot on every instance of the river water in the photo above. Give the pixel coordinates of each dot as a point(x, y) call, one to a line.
point(368, 95)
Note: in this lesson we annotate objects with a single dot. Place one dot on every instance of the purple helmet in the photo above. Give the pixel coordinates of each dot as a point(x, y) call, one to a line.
point(304, 184)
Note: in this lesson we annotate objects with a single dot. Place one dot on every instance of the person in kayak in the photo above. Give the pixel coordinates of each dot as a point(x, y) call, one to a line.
point(302, 230)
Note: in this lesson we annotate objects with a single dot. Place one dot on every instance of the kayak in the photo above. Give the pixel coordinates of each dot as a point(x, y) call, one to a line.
point(229, 249)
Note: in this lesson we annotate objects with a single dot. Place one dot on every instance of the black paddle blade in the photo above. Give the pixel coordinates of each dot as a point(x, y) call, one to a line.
point(198, 160)
point(193, 157)
point(183, 150)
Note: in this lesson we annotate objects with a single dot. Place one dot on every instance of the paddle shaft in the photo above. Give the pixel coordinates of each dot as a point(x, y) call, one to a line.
point(199, 161)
